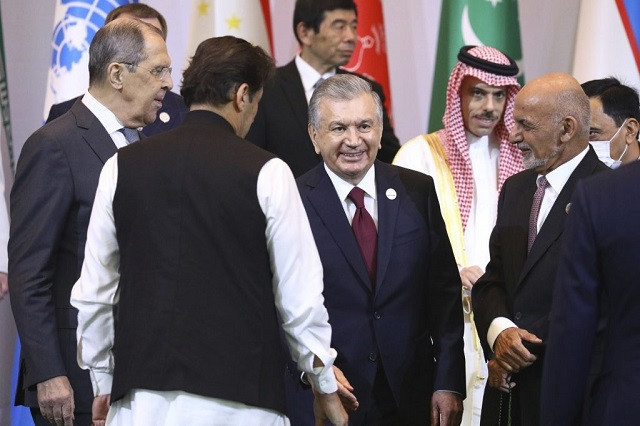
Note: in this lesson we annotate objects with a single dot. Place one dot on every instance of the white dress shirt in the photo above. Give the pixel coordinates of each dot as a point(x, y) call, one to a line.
point(310, 76)
point(367, 184)
point(484, 153)
point(297, 287)
point(557, 179)
point(107, 118)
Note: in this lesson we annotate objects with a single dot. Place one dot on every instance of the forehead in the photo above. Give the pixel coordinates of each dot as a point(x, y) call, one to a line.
point(599, 119)
point(471, 82)
point(332, 16)
point(360, 108)
point(156, 48)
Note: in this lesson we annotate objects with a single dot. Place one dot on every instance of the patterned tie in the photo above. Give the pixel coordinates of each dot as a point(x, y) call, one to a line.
point(365, 232)
point(131, 135)
point(535, 209)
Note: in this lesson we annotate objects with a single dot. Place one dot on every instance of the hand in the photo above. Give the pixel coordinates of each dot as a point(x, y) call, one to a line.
point(470, 275)
point(446, 409)
point(55, 398)
point(345, 391)
point(99, 410)
point(510, 352)
point(498, 377)
point(4, 285)
point(329, 407)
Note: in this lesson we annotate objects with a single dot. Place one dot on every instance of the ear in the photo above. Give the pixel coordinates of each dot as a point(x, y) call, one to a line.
point(304, 33)
point(313, 133)
point(631, 131)
point(569, 128)
point(115, 74)
point(241, 97)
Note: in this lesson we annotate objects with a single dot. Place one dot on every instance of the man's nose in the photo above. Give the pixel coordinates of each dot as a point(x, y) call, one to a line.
point(167, 82)
point(515, 135)
point(352, 136)
point(351, 33)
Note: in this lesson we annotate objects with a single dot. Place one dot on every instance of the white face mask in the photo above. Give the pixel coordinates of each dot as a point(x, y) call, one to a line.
point(603, 150)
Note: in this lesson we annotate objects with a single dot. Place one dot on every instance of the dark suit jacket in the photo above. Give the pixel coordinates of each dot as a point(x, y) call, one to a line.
point(281, 123)
point(600, 256)
point(412, 323)
point(51, 199)
point(520, 286)
point(172, 105)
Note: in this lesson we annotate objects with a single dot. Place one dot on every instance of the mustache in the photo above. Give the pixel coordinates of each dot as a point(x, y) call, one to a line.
point(523, 145)
point(489, 115)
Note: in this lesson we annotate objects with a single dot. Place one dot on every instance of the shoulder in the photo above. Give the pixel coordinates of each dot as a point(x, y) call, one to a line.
point(413, 182)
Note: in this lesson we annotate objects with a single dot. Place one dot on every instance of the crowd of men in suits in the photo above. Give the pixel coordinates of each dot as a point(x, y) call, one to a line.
point(145, 292)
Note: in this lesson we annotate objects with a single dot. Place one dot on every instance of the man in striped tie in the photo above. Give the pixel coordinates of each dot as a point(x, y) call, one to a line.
point(512, 300)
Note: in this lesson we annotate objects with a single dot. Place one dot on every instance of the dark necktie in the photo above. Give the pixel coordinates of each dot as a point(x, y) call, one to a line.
point(131, 135)
point(535, 210)
point(365, 232)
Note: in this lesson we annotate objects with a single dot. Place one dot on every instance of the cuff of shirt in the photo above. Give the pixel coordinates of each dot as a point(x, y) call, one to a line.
point(497, 326)
point(101, 382)
point(323, 378)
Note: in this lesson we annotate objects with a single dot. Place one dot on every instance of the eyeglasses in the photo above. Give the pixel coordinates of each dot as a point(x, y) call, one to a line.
point(159, 72)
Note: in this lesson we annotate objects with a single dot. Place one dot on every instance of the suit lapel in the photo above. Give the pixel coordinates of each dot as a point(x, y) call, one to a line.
point(291, 85)
point(554, 223)
point(386, 178)
point(328, 207)
point(93, 132)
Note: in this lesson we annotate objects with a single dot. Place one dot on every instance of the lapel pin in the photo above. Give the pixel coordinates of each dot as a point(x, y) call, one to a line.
point(164, 117)
point(566, 209)
point(391, 194)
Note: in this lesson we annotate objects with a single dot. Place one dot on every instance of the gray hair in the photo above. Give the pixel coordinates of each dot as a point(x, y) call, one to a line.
point(574, 103)
point(341, 87)
point(122, 40)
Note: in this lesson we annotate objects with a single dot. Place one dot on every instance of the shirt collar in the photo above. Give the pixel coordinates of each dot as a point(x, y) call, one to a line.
point(558, 177)
point(343, 188)
point(107, 118)
point(309, 75)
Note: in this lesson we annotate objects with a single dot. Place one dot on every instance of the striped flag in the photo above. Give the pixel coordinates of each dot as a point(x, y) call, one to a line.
point(247, 19)
point(472, 22)
point(75, 23)
point(608, 41)
point(370, 55)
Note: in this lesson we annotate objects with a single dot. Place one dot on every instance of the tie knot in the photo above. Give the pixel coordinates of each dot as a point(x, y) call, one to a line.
point(131, 135)
point(357, 196)
point(542, 182)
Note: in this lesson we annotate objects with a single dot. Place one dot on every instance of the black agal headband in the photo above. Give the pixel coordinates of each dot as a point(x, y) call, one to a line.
point(484, 65)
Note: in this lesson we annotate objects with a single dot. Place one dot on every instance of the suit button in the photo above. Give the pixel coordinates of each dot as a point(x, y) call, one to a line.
point(518, 315)
point(373, 357)
point(377, 315)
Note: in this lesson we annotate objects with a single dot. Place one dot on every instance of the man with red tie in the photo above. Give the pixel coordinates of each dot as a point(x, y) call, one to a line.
point(391, 284)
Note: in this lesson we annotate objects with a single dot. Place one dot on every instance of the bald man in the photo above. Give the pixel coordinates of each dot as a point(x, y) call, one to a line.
point(512, 300)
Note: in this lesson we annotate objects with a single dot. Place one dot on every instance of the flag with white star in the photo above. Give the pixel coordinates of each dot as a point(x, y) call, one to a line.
point(472, 22)
point(247, 19)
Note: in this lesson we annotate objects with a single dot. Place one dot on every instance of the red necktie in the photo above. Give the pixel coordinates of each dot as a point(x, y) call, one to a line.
point(365, 231)
point(535, 210)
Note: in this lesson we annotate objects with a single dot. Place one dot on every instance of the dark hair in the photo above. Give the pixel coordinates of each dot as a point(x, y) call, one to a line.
point(312, 12)
point(618, 101)
point(219, 66)
point(140, 11)
point(120, 41)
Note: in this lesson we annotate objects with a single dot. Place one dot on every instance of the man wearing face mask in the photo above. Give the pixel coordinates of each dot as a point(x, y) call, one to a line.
point(615, 114)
